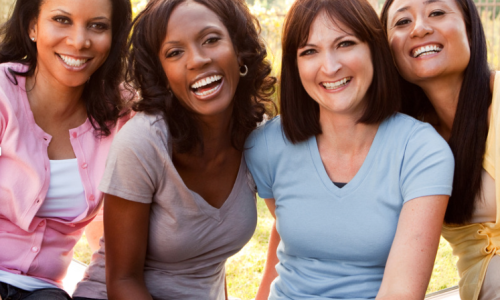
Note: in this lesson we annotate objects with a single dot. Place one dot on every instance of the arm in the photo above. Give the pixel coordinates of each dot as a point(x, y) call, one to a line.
point(413, 251)
point(126, 226)
point(272, 259)
point(93, 232)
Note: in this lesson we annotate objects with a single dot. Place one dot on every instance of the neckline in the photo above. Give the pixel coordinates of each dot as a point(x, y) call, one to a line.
point(356, 181)
point(21, 83)
point(214, 212)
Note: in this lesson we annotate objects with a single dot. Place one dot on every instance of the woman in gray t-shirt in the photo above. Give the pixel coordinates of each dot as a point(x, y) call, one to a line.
point(179, 200)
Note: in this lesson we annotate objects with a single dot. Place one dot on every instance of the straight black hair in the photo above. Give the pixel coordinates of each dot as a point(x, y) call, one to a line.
point(470, 127)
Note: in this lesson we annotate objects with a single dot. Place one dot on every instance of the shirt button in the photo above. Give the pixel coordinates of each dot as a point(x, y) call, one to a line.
point(74, 134)
point(91, 198)
point(84, 166)
point(41, 224)
point(34, 249)
point(37, 200)
point(71, 225)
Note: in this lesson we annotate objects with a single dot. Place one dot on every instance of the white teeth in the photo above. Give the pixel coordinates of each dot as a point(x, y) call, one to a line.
point(336, 84)
point(73, 62)
point(210, 91)
point(426, 50)
point(206, 81)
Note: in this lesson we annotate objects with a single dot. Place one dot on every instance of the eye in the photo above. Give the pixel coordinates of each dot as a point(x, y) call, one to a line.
point(345, 44)
point(62, 20)
point(436, 13)
point(307, 52)
point(173, 53)
point(212, 40)
point(402, 22)
point(99, 26)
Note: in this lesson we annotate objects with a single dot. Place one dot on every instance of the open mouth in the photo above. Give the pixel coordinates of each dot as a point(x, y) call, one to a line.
point(73, 62)
point(337, 84)
point(207, 86)
point(426, 50)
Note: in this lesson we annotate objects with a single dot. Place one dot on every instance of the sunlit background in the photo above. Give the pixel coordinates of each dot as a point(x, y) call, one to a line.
point(244, 270)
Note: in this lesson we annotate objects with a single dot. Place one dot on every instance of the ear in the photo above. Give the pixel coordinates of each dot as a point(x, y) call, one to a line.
point(33, 29)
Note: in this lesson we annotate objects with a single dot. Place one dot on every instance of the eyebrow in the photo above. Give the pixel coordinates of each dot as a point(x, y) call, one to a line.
point(63, 11)
point(67, 13)
point(427, 2)
point(335, 41)
point(199, 34)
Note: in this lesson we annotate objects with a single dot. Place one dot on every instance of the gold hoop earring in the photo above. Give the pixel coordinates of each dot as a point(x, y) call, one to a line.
point(245, 72)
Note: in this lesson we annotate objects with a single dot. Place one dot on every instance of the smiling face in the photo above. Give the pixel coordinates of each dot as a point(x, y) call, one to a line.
point(428, 39)
point(73, 39)
point(199, 60)
point(335, 67)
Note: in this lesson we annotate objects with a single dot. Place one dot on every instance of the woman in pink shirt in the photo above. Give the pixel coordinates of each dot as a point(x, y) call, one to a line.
point(60, 101)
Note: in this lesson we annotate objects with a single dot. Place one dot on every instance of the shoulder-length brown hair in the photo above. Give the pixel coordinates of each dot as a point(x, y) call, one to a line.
point(102, 93)
point(470, 127)
point(299, 112)
point(252, 98)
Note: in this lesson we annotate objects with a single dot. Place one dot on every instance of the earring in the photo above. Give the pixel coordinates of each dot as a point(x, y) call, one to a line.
point(245, 72)
point(33, 38)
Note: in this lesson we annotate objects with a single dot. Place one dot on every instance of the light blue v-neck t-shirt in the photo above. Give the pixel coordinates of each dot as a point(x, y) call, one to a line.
point(335, 241)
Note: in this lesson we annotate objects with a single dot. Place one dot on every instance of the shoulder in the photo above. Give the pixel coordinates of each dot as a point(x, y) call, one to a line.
point(9, 81)
point(268, 131)
point(401, 125)
point(6, 70)
point(494, 75)
point(415, 135)
point(142, 129)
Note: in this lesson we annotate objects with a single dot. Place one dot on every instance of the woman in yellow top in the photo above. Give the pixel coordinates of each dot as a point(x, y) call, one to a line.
point(440, 50)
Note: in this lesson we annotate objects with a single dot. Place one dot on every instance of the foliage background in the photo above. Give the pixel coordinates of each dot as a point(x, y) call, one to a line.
point(244, 270)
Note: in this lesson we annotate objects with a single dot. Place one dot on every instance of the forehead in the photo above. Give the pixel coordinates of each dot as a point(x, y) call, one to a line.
point(79, 8)
point(325, 27)
point(408, 5)
point(191, 17)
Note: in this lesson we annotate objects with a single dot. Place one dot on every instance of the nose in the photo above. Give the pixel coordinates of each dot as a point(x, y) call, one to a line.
point(421, 28)
point(197, 59)
point(79, 38)
point(331, 64)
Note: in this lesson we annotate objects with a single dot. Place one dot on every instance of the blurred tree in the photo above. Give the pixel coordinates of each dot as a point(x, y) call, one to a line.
point(5, 9)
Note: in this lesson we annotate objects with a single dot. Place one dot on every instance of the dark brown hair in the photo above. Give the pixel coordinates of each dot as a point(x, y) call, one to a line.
point(299, 112)
point(102, 96)
point(470, 127)
point(252, 95)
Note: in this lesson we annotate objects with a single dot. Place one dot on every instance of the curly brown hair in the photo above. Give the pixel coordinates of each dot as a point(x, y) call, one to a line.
point(102, 93)
point(253, 94)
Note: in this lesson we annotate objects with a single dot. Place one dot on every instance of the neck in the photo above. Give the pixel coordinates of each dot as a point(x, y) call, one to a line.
point(216, 134)
point(53, 100)
point(343, 134)
point(443, 94)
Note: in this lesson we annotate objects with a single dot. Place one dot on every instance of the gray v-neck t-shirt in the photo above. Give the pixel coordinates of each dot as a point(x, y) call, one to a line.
point(189, 240)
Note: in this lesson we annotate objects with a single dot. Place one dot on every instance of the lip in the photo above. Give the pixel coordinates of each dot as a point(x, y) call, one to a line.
point(423, 45)
point(71, 68)
point(339, 88)
point(204, 75)
point(212, 95)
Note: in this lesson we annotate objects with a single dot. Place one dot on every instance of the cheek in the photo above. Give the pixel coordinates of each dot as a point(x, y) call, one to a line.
point(103, 44)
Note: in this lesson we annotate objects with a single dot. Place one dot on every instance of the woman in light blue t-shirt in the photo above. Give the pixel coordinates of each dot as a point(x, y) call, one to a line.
point(358, 191)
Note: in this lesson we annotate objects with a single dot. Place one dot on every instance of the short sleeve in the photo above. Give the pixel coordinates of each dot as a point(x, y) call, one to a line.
point(135, 165)
point(428, 165)
point(256, 157)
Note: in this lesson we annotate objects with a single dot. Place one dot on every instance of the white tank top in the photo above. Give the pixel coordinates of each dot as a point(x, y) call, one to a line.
point(66, 197)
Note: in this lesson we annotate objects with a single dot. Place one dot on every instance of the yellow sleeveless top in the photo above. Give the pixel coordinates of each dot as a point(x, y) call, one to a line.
point(475, 244)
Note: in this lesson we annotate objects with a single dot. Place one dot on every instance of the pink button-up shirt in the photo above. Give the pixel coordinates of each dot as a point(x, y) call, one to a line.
point(29, 245)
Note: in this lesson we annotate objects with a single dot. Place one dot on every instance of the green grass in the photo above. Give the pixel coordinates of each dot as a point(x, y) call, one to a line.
point(244, 270)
